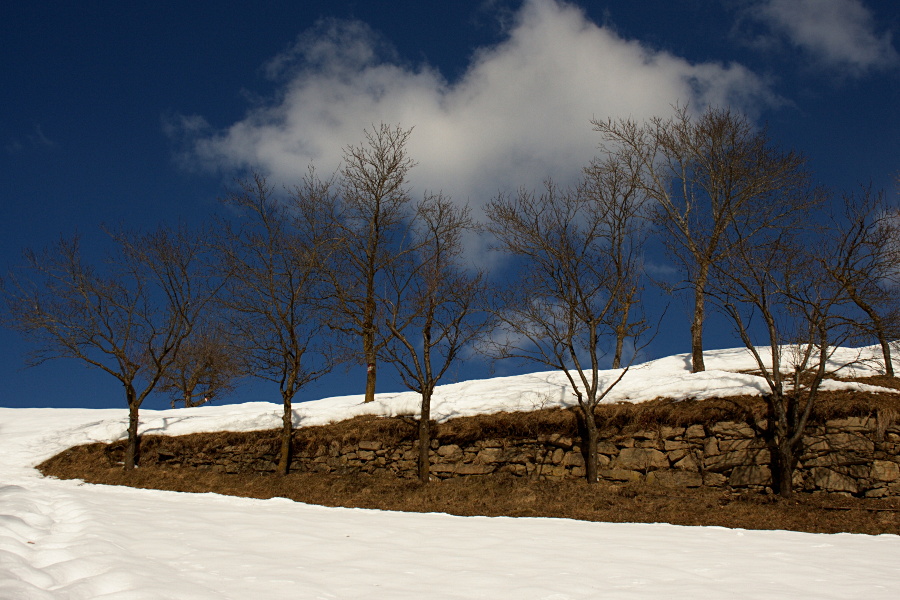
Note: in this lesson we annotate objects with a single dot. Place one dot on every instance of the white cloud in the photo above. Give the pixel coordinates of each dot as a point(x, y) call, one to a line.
point(837, 33)
point(519, 113)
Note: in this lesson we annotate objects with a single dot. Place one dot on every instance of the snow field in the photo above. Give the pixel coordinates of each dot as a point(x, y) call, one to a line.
point(66, 539)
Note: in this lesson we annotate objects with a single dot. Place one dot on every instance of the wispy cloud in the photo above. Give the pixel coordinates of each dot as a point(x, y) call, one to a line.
point(838, 34)
point(519, 113)
point(34, 140)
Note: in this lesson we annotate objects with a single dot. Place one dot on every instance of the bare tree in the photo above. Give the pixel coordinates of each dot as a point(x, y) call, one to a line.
point(206, 367)
point(433, 308)
point(370, 224)
point(775, 288)
point(614, 185)
point(559, 311)
point(864, 259)
point(129, 318)
point(703, 172)
point(274, 292)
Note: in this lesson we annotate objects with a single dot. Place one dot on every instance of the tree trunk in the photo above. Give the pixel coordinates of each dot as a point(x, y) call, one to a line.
point(782, 467)
point(371, 360)
point(886, 352)
point(370, 381)
point(620, 341)
point(621, 334)
point(425, 438)
point(591, 459)
point(697, 364)
point(287, 431)
point(133, 448)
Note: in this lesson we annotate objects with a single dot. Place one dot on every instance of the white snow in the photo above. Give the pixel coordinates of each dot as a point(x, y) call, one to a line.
point(67, 539)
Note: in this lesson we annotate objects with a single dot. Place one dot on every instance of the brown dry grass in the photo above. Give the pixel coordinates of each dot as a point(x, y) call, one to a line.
point(510, 496)
point(498, 495)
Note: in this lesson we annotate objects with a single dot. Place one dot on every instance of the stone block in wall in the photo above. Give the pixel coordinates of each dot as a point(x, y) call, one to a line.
point(573, 459)
point(883, 470)
point(834, 459)
point(473, 469)
point(668, 433)
point(607, 448)
point(442, 468)
point(743, 476)
point(490, 455)
point(687, 464)
point(514, 469)
point(619, 475)
point(370, 445)
point(550, 471)
point(669, 445)
point(450, 451)
point(815, 444)
point(739, 458)
point(832, 481)
point(695, 431)
point(365, 455)
point(731, 445)
point(714, 479)
point(667, 478)
point(520, 457)
point(556, 456)
point(675, 455)
point(731, 429)
point(558, 440)
point(876, 492)
point(641, 459)
point(646, 434)
point(851, 424)
point(711, 446)
point(850, 441)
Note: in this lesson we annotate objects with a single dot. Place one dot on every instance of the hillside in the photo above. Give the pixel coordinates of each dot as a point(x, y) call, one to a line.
point(68, 539)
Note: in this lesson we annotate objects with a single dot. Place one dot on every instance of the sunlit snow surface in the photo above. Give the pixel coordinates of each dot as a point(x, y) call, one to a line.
point(64, 539)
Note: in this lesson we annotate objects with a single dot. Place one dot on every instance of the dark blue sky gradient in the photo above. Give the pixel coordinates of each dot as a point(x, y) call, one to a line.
point(86, 91)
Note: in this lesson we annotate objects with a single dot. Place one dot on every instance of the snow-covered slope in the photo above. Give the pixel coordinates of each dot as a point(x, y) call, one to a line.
point(64, 539)
point(668, 377)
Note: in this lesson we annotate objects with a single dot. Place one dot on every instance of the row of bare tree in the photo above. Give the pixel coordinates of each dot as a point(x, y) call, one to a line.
point(353, 268)
point(753, 235)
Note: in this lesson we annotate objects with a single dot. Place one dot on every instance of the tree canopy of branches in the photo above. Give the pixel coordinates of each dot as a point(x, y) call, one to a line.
point(865, 260)
point(614, 185)
point(129, 318)
point(559, 312)
point(434, 307)
point(273, 295)
point(370, 223)
point(206, 366)
point(775, 286)
point(703, 173)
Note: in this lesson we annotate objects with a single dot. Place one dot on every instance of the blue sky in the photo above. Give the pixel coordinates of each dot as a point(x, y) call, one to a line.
point(136, 113)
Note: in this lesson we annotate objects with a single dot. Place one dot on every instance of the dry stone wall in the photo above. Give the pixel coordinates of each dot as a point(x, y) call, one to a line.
point(857, 455)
